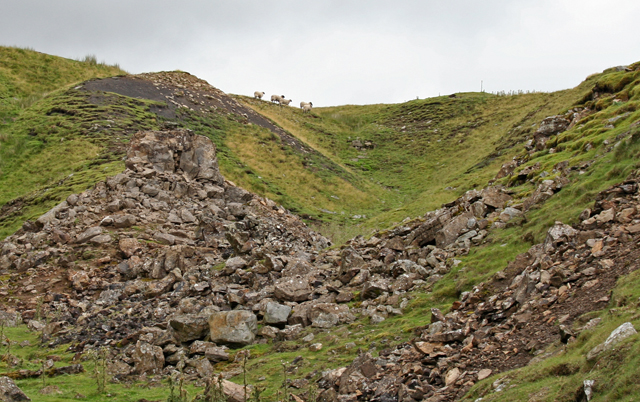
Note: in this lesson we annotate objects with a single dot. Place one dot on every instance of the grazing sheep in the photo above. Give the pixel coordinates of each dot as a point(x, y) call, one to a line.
point(284, 101)
point(258, 95)
point(303, 104)
point(307, 108)
point(277, 98)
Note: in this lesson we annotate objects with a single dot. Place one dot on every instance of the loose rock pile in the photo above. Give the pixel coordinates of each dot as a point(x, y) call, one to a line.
point(175, 265)
point(502, 324)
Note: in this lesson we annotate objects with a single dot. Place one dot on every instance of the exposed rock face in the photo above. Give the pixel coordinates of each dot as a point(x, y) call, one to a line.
point(550, 126)
point(196, 155)
point(237, 327)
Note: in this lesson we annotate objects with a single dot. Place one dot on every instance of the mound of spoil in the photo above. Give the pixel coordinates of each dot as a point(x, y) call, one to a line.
point(167, 237)
point(182, 90)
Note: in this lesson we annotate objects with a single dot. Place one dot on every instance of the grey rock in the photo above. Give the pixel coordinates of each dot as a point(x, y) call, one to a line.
point(89, 234)
point(188, 327)
point(238, 327)
point(327, 315)
point(618, 335)
point(9, 391)
point(276, 314)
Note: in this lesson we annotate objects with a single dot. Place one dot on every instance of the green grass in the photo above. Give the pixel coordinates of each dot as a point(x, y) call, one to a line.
point(77, 385)
point(61, 145)
point(425, 152)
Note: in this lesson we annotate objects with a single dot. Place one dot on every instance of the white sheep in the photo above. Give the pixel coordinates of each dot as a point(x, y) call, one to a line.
point(303, 104)
point(284, 101)
point(307, 108)
point(277, 98)
point(258, 95)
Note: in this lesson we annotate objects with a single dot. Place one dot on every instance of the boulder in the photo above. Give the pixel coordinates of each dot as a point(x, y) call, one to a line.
point(300, 314)
point(9, 391)
point(453, 229)
point(558, 234)
point(373, 289)
point(129, 246)
point(89, 234)
point(295, 289)
point(618, 335)
point(234, 392)
point(237, 327)
point(276, 314)
point(357, 374)
point(327, 315)
point(124, 221)
point(216, 354)
point(189, 327)
point(425, 233)
point(494, 198)
point(552, 125)
point(148, 358)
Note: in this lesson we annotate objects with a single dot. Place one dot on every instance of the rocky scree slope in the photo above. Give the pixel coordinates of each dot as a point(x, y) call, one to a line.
point(169, 263)
point(539, 299)
point(158, 232)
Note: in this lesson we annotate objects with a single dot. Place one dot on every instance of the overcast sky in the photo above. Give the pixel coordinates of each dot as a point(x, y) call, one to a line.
point(340, 52)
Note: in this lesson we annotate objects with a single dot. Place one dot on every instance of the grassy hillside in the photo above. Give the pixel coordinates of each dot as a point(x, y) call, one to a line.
point(385, 162)
point(375, 165)
point(422, 153)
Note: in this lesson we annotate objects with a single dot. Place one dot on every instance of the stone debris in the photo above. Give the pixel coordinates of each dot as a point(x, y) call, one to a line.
point(174, 265)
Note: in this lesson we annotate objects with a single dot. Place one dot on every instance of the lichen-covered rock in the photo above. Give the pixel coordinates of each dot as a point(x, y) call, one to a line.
point(618, 335)
point(189, 327)
point(294, 289)
point(148, 359)
point(237, 328)
point(9, 391)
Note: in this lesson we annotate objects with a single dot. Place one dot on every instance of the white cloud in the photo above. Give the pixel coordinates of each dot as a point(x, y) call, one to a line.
point(337, 52)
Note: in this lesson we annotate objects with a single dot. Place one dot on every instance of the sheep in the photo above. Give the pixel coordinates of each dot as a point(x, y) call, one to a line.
point(285, 101)
point(258, 95)
point(303, 104)
point(277, 98)
point(307, 108)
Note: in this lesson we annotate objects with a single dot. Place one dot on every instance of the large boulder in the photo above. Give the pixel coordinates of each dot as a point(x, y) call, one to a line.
point(237, 328)
point(9, 391)
point(618, 335)
point(189, 327)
